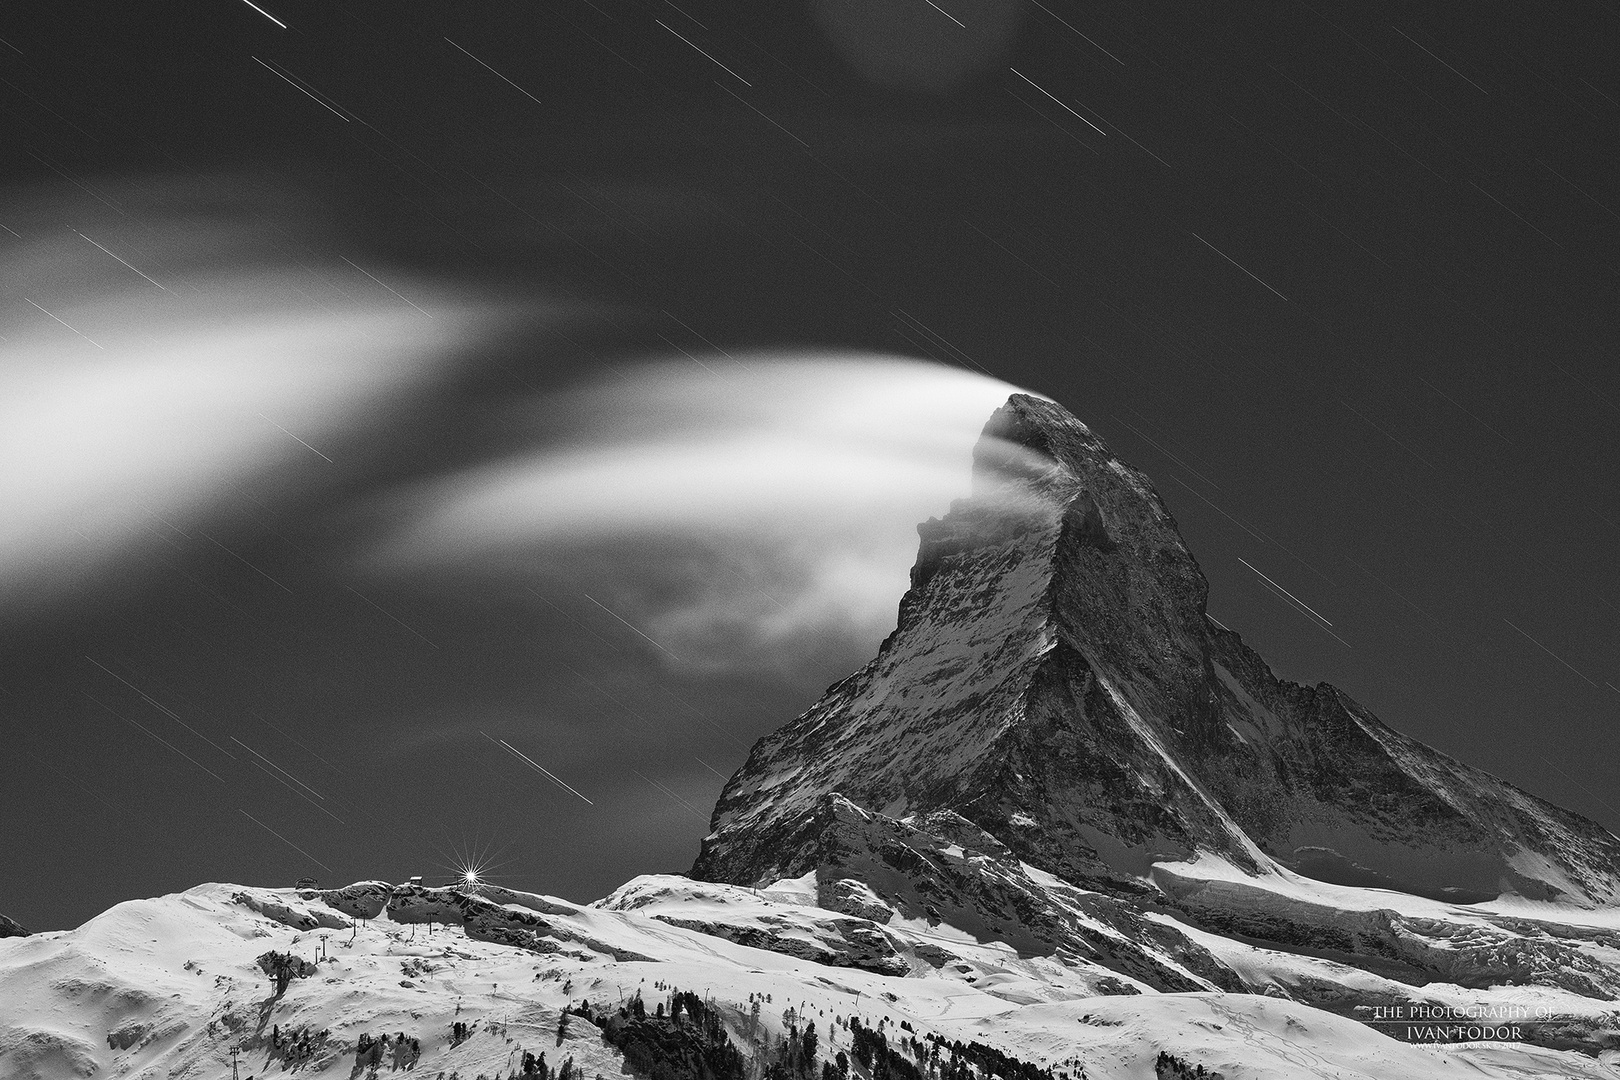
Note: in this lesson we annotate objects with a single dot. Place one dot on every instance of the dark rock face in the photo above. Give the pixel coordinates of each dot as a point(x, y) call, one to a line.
point(1497, 951)
point(940, 867)
point(858, 945)
point(288, 915)
point(11, 928)
point(362, 900)
point(485, 919)
point(1055, 684)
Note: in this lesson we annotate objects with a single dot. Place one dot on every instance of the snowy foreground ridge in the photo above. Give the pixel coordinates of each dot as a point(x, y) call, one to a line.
point(167, 987)
point(1062, 827)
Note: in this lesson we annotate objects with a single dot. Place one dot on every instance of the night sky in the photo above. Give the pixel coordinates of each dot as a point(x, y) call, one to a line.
point(284, 307)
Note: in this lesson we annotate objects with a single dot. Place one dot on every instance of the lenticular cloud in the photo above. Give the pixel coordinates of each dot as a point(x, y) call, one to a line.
point(742, 509)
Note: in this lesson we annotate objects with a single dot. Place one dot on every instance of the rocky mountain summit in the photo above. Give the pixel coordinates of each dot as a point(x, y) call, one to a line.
point(1056, 684)
point(1059, 750)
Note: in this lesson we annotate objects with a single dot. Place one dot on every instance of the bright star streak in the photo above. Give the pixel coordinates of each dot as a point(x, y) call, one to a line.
point(164, 710)
point(1142, 148)
point(1465, 411)
point(1550, 653)
point(1284, 591)
point(773, 123)
point(284, 840)
point(535, 764)
point(575, 621)
point(689, 356)
point(92, 341)
point(718, 730)
point(1200, 495)
point(390, 615)
point(1447, 66)
point(298, 793)
point(1281, 595)
point(1145, 438)
point(1014, 95)
point(295, 438)
point(69, 178)
point(1544, 165)
point(1392, 589)
point(672, 795)
point(1385, 434)
point(384, 286)
point(1076, 115)
point(694, 333)
point(265, 13)
point(1233, 261)
point(278, 768)
point(912, 320)
point(300, 89)
point(945, 13)
point(86, 239)
point(683, 12)
point(544, 770)
point(717, 63)
point(244, 562)
point(1518, 215)
point(75, 783)
point(498, 75)
point(638, 633)
point(1288, 597)
point(642, 720)
point(150, 734)
point(1093, 44)
point(47, 109)
point(296, 743)
point(1580, 785)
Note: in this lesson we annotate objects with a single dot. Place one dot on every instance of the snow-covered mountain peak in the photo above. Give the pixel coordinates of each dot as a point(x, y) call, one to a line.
point(1055, 681)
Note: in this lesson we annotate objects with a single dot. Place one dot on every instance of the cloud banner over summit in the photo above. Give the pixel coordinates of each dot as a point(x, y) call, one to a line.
point(742, 508)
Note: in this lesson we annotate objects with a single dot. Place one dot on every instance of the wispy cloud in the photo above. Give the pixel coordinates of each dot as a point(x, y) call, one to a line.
point(742, 512)
point(162, 348)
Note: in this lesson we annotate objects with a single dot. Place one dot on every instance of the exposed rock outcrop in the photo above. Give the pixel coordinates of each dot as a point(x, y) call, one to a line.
point(486, 920)
point(289, 914)
point(941, 868)
point(854, 943)
point(362, 900)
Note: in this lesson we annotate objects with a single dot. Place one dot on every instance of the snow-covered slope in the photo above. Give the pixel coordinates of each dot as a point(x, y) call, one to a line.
point(1054, 679)
point(168, 987)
